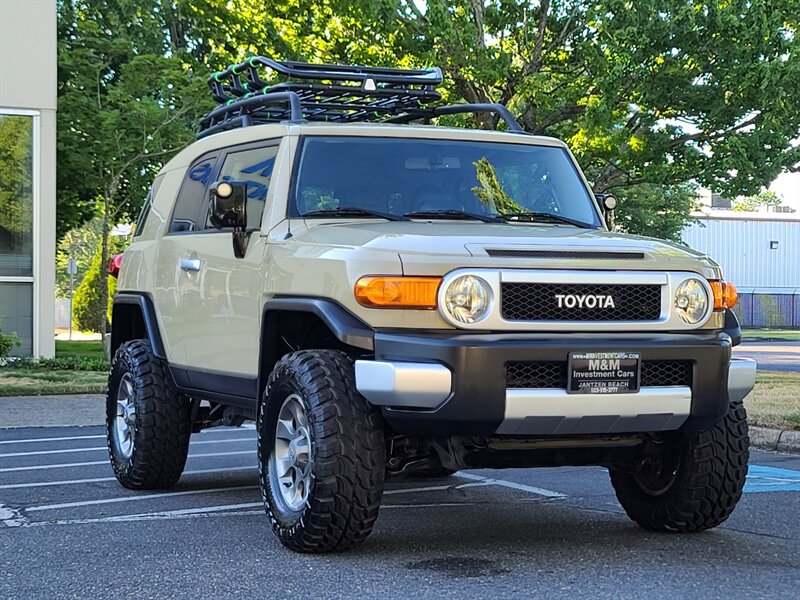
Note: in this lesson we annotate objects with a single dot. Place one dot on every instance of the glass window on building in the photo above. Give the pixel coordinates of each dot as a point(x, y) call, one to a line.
point(16, 228)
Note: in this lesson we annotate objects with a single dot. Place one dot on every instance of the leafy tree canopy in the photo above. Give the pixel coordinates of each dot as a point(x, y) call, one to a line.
point(753, 203)
point(649, 94)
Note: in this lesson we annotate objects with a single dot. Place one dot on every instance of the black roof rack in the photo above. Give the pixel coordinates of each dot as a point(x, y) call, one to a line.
point(334, 94)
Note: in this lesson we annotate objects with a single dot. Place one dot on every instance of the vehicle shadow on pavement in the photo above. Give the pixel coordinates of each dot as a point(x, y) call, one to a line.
point(545, 535)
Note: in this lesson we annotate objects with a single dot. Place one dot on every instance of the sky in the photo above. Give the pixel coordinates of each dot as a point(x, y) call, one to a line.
point(787, 186)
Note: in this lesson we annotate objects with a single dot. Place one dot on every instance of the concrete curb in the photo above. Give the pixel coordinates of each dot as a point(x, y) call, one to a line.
point(776, 440)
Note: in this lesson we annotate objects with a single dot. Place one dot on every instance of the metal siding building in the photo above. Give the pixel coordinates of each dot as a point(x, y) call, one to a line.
point(760, 254)
point(740, 242)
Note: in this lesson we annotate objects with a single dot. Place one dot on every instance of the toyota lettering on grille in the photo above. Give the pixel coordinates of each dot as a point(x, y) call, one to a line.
point(585, 301)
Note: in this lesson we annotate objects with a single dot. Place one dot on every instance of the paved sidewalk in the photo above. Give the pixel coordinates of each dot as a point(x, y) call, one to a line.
point(79, 410)
point(771, 356)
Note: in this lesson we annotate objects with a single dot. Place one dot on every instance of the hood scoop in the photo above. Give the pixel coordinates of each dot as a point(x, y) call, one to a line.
point(564, 254)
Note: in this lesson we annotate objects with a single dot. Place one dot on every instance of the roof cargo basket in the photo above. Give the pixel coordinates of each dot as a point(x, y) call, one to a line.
point(249, 95)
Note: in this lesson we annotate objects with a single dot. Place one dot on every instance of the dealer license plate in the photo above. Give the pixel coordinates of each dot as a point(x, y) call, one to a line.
point(603, 372)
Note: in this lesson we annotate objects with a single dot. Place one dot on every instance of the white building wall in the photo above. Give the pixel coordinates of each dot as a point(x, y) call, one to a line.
point(28, 63)
point(742, 244)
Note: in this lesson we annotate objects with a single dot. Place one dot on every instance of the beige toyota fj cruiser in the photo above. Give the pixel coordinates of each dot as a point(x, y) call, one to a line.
point(386, 297)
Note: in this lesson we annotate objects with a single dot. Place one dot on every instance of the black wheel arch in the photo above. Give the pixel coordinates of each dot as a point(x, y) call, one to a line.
point(133, 317)
point(296, 323)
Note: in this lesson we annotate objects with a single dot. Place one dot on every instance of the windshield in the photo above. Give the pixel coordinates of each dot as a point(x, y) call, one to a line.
point(363, 177)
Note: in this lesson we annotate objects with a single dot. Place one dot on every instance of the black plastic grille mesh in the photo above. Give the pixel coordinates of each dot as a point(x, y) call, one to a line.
point(553, 374)
point(538, 302)
point(542, 374)
point(666, 372)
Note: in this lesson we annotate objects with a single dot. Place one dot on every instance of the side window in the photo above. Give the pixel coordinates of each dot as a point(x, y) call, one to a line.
point(192, 198)
point(254, 167)
point(139, 227)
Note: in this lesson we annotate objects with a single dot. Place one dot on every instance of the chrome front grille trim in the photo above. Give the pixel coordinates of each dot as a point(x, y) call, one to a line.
point(668, 320)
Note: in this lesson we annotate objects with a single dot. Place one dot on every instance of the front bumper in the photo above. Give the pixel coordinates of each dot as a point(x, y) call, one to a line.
point(443, 384)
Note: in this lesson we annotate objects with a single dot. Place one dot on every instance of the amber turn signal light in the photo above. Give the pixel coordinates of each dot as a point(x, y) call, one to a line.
point(725, 294)
point(397, 292)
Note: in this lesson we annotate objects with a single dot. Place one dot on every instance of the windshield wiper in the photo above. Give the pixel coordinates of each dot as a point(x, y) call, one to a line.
point(353, 211)
point(542, 216)
point(451, 213)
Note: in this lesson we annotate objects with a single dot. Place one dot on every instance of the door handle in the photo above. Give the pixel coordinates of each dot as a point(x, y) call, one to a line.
point(190, 264)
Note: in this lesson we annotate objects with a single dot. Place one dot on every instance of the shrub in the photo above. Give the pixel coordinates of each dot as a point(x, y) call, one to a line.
point(8, 341)
point(62, 363)
point(87, 305)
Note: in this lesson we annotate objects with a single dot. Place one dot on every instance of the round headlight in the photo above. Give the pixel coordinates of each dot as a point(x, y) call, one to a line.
point(691, 301)
point(466, 299)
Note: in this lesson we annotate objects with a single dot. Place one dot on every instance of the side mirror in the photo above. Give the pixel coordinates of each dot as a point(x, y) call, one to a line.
point(609, 203)
point(229, 210)
point(229, 204)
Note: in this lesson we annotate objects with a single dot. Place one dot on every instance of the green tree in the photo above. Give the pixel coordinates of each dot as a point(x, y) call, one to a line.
point(645, 93)
point(753, 203)
point(128, 100)
point(650, 93)
point(91, 311)
point(659, 211)
point(81, 245)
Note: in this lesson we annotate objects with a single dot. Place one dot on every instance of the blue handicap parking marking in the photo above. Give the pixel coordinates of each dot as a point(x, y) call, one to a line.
point(771, 479)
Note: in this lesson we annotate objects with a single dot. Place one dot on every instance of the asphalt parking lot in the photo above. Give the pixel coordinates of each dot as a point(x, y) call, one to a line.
point(69, 531)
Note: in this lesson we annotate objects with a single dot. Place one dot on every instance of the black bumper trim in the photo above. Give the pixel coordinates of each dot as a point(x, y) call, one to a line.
point(477, 361)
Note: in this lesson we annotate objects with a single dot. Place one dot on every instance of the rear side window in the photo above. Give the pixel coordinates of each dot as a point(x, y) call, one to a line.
point(253, 166)
point(192, 199)
point(139, 227)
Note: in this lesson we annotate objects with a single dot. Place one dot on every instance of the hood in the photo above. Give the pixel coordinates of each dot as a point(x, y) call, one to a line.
point(435, 247)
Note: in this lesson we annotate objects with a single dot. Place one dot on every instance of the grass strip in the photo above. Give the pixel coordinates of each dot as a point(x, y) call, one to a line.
point(775, 401)
point(87, 348)
point(33, 382)
point(784, 335)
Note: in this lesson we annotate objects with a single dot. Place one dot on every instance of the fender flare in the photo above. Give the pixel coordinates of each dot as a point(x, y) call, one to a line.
point(343, 324)
point(149, 321)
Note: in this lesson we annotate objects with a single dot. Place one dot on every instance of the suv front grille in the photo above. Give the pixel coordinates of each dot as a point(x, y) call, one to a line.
point(539, 302)
point(553, 374)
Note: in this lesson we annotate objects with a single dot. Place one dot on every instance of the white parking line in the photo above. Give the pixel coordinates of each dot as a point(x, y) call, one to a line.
point(105, 462)
point(435, 488)
point(55, 439)
point(223, 429)
point(105, 449)
point(229, 510)
point(244, 428)
point(41, 452)
point(138, 498)
point(57, 466)
point(14, 486)
point(513, 485)
point(169, 514)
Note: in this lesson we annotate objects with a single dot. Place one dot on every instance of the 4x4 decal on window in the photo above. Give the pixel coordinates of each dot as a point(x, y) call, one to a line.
point(266, 166)
point(202, 173)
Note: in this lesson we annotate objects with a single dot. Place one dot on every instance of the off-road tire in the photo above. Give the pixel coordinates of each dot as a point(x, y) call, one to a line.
point(710, 475)
point(163, 422)
point(347, 449)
